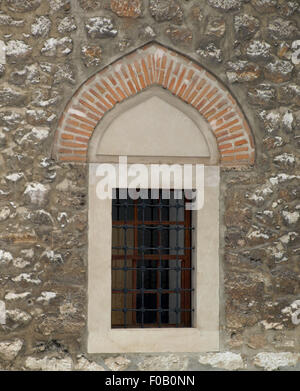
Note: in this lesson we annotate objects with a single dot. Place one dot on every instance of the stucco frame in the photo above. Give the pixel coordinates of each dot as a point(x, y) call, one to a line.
point(204, 335)
point(165, 95)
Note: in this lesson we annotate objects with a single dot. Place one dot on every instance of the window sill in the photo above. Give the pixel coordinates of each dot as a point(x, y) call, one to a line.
point(182, 340)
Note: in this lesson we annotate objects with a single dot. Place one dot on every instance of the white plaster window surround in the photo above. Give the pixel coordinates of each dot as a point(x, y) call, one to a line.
point(204, 334)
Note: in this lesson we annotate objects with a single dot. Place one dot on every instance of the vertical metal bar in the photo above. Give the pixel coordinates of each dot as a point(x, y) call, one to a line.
point(186, 275)
point(143, 263)
point(158, 272)
point(134, 261)
point(125, 265)
point(168, 263)
point(177, 266)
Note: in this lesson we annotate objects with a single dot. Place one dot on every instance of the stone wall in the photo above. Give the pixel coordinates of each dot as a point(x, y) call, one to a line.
point(47, 50)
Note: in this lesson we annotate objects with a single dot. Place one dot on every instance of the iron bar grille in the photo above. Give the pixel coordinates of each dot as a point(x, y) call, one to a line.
point(151, 260)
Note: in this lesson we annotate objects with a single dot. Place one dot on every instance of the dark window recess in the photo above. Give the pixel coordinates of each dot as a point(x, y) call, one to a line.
point(151, 261)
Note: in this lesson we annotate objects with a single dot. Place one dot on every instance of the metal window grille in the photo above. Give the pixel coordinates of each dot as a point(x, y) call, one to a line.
point(151, 260)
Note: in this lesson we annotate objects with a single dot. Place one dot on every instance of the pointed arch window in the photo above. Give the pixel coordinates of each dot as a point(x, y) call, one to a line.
point(154, 106)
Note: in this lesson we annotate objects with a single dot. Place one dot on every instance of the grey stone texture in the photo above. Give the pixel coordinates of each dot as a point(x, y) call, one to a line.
point(52, 47)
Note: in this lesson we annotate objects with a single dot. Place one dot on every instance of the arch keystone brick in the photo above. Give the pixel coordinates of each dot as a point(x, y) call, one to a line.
point(146, 67)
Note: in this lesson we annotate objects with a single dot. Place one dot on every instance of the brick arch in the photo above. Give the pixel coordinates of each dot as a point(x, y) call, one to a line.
point(154, 65)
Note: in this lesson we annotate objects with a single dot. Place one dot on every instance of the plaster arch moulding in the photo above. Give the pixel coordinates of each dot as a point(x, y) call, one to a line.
point(154, 66)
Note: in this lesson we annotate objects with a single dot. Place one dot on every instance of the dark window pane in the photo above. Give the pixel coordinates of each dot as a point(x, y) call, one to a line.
point(151, 261)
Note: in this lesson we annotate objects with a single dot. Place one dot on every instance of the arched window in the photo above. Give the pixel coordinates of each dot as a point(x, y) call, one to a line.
point(153, 279)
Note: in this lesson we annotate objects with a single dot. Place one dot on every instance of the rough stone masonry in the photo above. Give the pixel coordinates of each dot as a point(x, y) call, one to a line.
point(47, 50)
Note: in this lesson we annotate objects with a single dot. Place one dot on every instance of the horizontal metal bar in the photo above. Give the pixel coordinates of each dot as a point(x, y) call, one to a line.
point(148, 257)
point(158, 248)
point(153, 310)
point(146, 222)
point(157, 228)
point(146, 205)
point(153, 290)
point(153, 268)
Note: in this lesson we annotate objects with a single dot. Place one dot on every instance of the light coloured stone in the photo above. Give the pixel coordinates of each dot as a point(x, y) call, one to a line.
point(57, 47)
point(100, 27)
point(20, 263)
point(15, 177)
point(216, 27)
point(52, 256)
point(273, 361)
point(2, 312)
point(287, 121)
point(85, 365)
point(39, 117)
point(119, 363)
point(165, 10)
point(262, 95)
point(26, 277)
point(225, 5)
point(41, 27)
point(67, 25)
point(4, 213)
point(9, 119)
point(40, 133)
point(59, 5)
point(285, 159)
point(64, 72)
point(65, 185)
point(49, 364)
point(210, 52)
point(242, 71)
point(18, 317)
point(46, 297)
point(5, 257)
point(10, 349)
point(271, 325)
point(16, 49)
point(23, 5)
point(291, 217)
point(258, 50)
point(280, 178)
point(224, 360)
point(289, 237)
point(16, 296)
point(11, 97)
point(169, 362)
point(2, 52)
point(7, 20)
point(68, 309)
point(149, 32)
point(280, 28)
point(245, 25)
point(36, 192)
